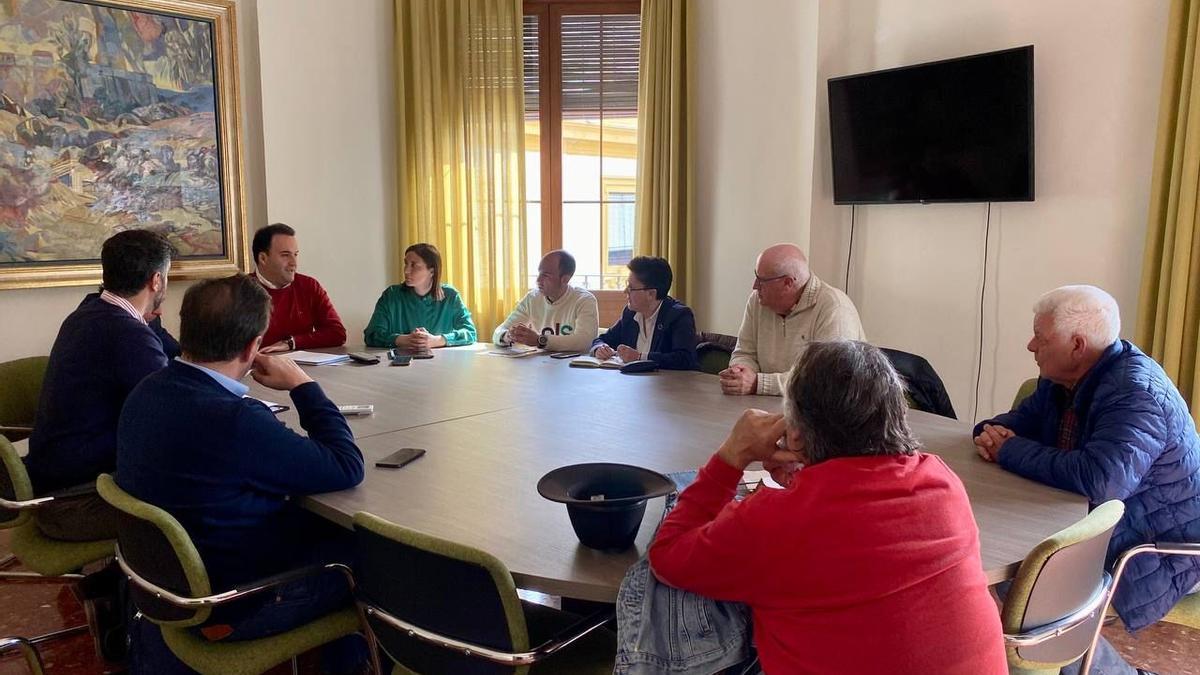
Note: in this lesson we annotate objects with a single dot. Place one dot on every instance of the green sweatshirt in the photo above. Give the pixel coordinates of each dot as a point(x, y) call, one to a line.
point(400, 310)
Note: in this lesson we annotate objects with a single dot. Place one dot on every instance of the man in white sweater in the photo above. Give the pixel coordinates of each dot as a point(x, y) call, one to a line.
point(788, 308)
point(556, 316)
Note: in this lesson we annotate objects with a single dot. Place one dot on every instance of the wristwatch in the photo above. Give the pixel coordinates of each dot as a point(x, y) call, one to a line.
point(543, 341)
point(291, 343)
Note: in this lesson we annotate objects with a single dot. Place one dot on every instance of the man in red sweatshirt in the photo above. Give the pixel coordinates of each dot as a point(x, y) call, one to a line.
point(302, 317)
point(867, 561)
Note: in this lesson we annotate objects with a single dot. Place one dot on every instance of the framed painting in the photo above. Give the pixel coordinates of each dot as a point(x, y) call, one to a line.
point(118, 115)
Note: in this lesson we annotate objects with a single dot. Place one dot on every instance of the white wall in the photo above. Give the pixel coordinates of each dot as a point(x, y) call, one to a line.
point(327, 108)
point(753, 105)
point(318, 153)
point(916, 271)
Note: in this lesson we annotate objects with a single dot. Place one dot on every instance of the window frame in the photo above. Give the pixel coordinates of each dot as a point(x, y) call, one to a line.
point(549, 15)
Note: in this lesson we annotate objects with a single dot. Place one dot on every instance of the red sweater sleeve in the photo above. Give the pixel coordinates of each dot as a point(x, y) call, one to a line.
point(709, 544)
point(328, 330)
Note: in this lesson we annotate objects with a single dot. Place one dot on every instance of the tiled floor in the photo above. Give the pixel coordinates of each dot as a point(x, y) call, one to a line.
point(28, 609)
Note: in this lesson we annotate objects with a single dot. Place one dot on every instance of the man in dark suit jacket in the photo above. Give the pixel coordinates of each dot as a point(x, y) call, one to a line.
point(653, 325)
point(190, 443)
point(103, 350)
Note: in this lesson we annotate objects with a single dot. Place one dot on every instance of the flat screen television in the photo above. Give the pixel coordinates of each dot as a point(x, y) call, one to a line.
point(959, 130)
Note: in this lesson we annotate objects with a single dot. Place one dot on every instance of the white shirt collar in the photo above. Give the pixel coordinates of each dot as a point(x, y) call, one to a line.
point(266, 284)
point(114, 299)
point(652, 317)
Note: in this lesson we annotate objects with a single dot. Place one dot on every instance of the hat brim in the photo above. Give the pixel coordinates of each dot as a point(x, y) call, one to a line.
point(603, 484)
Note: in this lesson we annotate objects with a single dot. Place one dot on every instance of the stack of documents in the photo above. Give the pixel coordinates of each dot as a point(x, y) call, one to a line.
point(316, 358)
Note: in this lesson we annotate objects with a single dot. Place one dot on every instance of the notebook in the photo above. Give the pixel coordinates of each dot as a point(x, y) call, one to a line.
point(515, 351)
point(613, 363)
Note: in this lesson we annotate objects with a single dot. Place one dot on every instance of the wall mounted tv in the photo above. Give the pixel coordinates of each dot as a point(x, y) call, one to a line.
point(959, 130)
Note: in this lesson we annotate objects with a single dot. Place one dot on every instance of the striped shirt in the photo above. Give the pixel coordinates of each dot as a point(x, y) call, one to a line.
point(113, 299)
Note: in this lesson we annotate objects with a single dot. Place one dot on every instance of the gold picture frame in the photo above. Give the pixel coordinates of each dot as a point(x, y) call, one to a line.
point(114, 115)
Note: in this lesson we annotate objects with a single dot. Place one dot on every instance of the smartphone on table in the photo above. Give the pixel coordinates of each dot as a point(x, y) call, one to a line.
point(400, 458)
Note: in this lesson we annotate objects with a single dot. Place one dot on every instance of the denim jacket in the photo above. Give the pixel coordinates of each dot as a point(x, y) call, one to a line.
point(661, 629)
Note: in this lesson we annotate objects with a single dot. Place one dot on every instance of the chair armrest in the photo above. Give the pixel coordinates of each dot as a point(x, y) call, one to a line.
point(86, 490)
point(1177, 548)
point(16, 427)
point(232, 594)
point(1039, 634)
point(23, 505)
point(289, 576)
point(574, 632)
point(515, 659)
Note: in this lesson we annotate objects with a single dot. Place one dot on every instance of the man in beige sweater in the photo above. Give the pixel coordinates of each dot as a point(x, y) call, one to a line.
point(788, 308)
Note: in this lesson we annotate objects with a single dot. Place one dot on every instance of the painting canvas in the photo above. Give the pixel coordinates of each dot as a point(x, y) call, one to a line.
point(111, 119)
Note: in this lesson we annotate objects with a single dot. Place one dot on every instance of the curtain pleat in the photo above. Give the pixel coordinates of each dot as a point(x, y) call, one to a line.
point(664, 173)
point(461, 145)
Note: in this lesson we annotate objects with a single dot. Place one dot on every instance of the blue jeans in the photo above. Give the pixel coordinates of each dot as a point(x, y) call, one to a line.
point(661, 629)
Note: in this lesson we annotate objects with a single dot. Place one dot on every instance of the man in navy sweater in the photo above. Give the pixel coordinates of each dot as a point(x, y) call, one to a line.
point(103, 349)
point(191, 444)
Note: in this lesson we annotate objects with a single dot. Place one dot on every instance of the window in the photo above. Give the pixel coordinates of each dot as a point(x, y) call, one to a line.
point(581, 72)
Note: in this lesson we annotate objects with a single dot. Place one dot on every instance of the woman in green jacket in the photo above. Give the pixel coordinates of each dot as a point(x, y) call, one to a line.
point(422, 313)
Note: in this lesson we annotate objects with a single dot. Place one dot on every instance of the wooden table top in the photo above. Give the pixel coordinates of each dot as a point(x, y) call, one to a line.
point(493, 426)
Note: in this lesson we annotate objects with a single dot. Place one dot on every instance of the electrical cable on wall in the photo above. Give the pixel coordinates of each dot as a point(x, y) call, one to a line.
point(987, 235)
point(850, 249)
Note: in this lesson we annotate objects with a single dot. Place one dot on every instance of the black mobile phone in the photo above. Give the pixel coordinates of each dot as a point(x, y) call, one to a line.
point(400, 458)
point(565, 355)
point(408, 353)
point(401, 360)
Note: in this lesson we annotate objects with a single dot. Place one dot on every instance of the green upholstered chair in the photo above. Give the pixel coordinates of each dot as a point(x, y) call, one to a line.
point(169, 585)
point(49, 560)
point(20, 387)
point(1025, 391)
point(1054, 609)
point(436, 606)
point(32, 659)
point(714, 351)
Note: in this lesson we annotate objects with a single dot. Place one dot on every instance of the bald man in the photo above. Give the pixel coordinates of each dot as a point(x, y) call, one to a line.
point(556, 315)
point(788, 308)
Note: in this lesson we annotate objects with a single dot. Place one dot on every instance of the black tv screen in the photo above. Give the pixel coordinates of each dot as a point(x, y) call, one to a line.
point(959, 130)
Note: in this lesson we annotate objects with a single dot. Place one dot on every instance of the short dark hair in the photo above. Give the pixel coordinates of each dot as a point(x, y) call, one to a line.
point(432, 258)
point(566, 263)
point(652, 272)
point(262, 238)
point(846, 400)
point(131, 258)
point(219, 317)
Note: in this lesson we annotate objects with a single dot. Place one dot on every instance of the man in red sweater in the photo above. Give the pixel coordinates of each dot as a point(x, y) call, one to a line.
point(302, 317)
point(868, 560)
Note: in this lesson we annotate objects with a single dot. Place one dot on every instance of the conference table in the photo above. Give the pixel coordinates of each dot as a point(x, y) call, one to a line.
point(492, 426)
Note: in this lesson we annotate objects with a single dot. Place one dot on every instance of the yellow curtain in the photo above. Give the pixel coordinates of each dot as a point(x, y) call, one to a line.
point(664, 171)
point(1169, 304)
point(461, 146)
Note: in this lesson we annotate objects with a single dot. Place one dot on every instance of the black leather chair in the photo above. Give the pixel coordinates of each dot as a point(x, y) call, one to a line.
point(926, 392)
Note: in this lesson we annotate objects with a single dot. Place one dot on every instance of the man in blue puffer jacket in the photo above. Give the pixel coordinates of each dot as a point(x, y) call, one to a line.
point(1107, 423)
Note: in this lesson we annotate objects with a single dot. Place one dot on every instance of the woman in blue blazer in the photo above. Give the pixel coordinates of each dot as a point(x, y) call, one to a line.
point(653, 325)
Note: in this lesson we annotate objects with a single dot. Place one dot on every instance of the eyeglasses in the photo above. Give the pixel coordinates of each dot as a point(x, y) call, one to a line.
point(631, 289)
point(760, 281)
